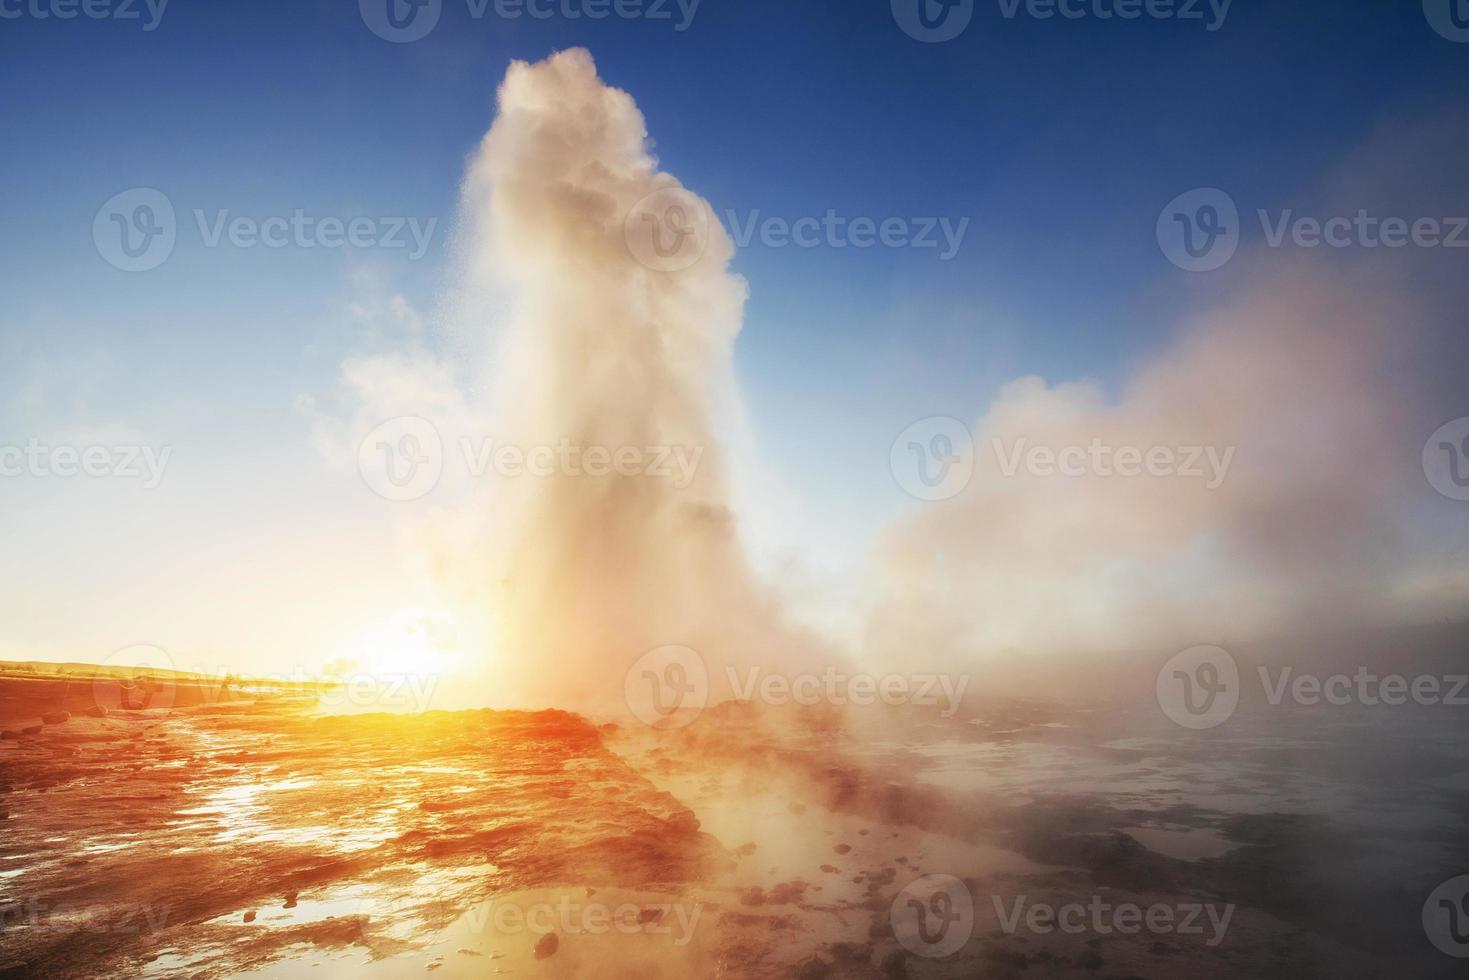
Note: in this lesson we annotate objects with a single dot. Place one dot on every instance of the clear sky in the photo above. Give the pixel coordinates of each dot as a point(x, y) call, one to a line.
point(1058, 140)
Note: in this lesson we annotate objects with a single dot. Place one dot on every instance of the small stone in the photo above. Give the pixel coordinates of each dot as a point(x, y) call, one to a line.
point(895, 965)
point(814, 969)
point(250, 916)
point(31, 730)
point(683, 822)
point(97, 711)
point(843, 848)
point(547, 945)
point(1090, 960)
point(56, 717)
point(291, 899)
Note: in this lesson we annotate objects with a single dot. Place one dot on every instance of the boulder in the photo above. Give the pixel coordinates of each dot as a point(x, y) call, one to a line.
point(56, 717)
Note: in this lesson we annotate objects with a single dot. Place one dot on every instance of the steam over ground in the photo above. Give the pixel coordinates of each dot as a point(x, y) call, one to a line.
point(1298, 399)
point(602, 349)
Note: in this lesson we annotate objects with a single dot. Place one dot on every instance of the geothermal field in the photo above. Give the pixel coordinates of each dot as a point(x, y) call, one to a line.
point(603, 490)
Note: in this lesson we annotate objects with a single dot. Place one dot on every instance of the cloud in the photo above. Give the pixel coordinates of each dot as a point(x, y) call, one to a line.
point(1315, 371)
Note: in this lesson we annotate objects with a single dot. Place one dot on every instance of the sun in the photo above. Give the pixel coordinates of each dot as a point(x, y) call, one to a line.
point(413, 641)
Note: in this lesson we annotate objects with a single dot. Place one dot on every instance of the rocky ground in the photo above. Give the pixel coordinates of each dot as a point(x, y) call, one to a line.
point(251, 836)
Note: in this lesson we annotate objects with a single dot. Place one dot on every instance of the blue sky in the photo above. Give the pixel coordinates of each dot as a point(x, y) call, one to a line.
point(1059, 141)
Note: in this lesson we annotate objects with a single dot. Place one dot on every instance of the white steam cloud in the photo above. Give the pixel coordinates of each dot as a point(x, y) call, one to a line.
point(596, 348)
